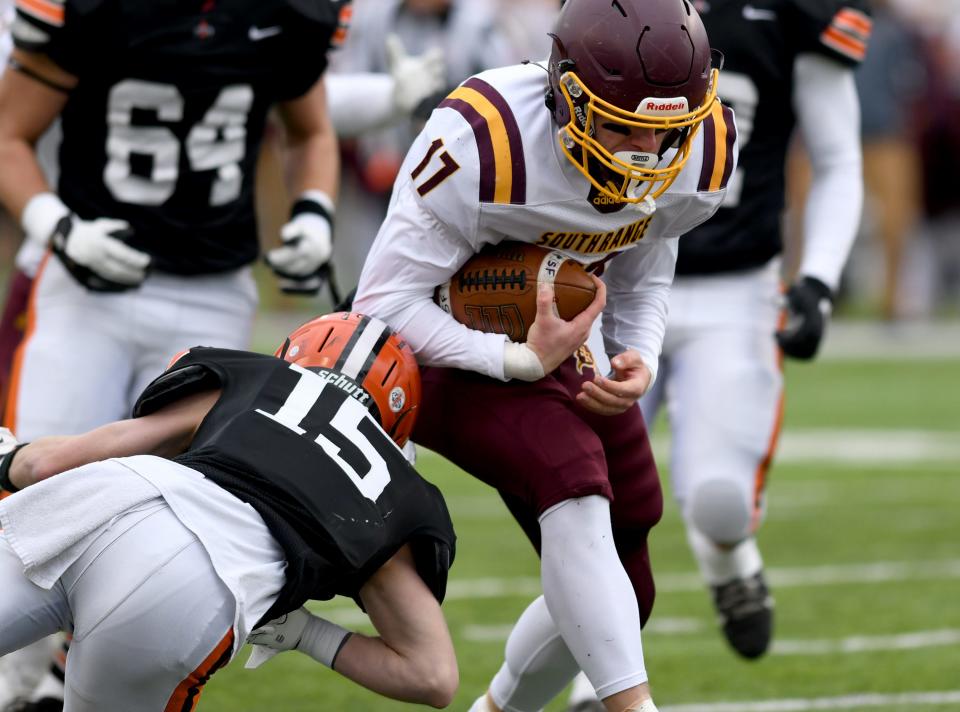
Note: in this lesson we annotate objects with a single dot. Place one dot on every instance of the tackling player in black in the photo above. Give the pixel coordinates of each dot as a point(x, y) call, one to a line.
point(311, 440)
point(152, 224)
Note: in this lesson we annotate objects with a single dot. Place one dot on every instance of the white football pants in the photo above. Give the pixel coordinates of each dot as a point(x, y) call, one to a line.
point(722, 383)
point(151, 619)
point(86, 357)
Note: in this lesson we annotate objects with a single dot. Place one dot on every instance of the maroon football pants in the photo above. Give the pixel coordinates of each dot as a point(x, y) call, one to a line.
point(538, 447)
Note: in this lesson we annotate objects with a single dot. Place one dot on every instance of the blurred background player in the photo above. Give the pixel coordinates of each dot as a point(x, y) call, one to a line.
point(153, 226)
point(357, 103)
point(890, 83)
point(471, 36)
point(786, 63)
point(189, 553)
point(631, 151)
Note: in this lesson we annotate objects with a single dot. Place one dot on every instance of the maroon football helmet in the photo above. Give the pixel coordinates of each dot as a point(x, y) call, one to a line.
point(637, 63)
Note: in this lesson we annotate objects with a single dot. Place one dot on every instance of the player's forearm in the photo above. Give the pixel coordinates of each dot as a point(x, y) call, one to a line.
point(312, 162)
point(435, 337)
point(166, 433)
point(360, 102)
point(638, 295)
point(29, 104)
point(49, 456)
point(641, 323)
point(832, 137)
point(417, 676)
point(21, 177)
point(40, 459)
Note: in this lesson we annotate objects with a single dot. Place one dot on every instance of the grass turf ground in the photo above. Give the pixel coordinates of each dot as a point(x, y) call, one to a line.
point(863, 549)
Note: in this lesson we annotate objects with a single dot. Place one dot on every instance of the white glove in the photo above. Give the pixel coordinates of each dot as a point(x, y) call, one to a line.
point(297, 630)
point(8, 448)
point(307, 246)
point(414, 77)
point(8, 441)
point(93, 251)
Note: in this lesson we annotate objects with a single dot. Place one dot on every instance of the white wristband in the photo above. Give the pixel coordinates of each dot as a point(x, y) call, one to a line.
point(322, 640)
point(41, 215)
point(520, 362)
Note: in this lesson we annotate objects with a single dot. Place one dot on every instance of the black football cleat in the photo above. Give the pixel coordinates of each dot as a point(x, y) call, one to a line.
point(745, 608)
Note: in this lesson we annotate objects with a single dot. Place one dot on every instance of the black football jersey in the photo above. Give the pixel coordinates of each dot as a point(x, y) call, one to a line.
point(760, 40)
point(164, 127)
point(334, 489)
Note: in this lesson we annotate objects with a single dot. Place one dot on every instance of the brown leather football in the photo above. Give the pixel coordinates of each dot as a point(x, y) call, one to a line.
point(496, 290)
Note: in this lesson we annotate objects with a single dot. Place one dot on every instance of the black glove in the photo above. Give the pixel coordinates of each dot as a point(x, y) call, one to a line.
point(809, 303)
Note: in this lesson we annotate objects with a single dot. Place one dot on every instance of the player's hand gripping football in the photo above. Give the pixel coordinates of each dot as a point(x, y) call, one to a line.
point(809, 303)
point(613, 394)
point(94, 252)
point(415, 78)
point(551, 338)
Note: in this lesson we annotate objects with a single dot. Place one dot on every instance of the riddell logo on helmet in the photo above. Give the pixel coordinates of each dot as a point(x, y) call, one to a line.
point(664, 107)
point(667, 106)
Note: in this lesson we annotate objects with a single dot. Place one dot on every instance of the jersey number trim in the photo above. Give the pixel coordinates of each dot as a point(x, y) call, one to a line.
point(740, 92)
point(447, 168)
point(346, 422)
point(218, 142)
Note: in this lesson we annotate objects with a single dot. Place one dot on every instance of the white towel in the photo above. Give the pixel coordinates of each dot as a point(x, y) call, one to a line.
point(50, 524)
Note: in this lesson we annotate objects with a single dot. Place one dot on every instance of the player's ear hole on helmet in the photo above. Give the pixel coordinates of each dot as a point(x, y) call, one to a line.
point(716, 59)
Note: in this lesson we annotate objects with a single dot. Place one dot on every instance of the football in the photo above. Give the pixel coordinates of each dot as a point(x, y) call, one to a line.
point(496, 290)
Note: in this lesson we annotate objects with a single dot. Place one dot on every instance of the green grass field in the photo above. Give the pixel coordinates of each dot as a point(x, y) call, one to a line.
point(862, 543)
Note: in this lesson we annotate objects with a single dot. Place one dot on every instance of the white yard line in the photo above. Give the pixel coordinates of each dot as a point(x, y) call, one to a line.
point(883, 448)
point(781, 647)
point(657, 626)
point(846, 339)
point(869, 643)
point(780, 577)
point(899, 701)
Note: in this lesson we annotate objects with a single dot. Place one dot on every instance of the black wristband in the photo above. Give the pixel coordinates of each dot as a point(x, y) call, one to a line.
point(18, 66)
point(305, 205)
point(5, 463)
point(333, 660)
point(819, 288)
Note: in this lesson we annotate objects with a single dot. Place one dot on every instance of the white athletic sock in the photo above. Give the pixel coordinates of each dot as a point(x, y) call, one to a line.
point(537, 663)
point(718, 565)
point(589, 595)
point(481, 704)
point(582, 690)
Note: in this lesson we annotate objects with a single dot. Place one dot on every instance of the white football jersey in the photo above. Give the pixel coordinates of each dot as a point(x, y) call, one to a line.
point(488, 167)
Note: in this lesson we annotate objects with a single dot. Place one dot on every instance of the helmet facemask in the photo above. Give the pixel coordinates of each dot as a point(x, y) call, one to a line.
point(628, 176)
